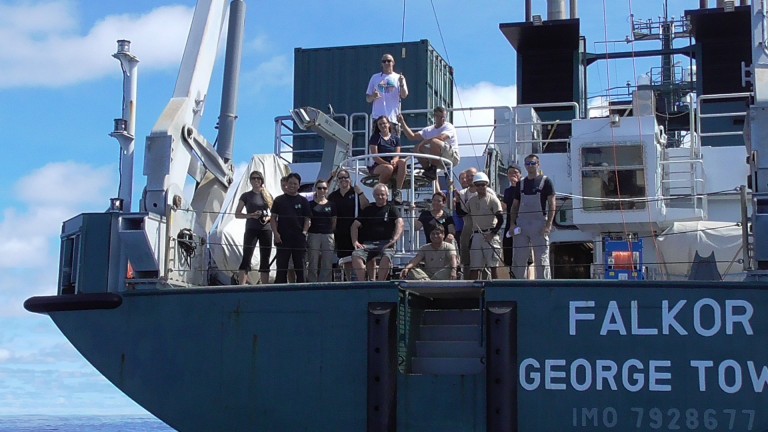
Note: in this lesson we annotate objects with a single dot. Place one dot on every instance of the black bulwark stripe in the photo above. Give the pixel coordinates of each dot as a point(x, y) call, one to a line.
point(73, 302)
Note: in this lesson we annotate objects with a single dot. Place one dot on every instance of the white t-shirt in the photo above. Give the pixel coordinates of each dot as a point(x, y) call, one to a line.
point(432, 132)
point(388, 104)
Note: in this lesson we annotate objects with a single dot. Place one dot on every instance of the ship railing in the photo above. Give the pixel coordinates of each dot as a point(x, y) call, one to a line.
point(539, 144)
point(700, 116)
point(605, 109)
point(470, 122)
point(286, 134)
point(691, 186)
point(358, 166)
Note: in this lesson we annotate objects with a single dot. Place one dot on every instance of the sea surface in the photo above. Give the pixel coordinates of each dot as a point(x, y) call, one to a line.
point(121, 423)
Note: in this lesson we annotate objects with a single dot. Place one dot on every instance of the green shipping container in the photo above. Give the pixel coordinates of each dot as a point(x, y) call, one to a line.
point(338, 76)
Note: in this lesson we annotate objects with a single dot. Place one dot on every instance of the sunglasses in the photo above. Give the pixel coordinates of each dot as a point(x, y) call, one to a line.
point(387, 61)
point(321, 188)
point(257, 178)
point(531, 163)
point(481, 184)
point(343, 178)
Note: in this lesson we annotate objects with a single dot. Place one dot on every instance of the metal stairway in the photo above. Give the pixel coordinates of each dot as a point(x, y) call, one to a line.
point(449, 342)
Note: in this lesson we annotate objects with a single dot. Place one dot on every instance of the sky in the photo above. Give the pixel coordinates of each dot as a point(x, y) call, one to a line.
point(60, 90)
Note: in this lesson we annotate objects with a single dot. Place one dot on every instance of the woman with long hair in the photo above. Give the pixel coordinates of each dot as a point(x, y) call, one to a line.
point(348, 201)
point(320, 244)
point(257, 203)
point(383, 140)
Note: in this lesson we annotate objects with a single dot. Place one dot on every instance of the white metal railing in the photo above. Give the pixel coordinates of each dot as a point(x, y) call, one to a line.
point(692, 186)
point(696, 147)
point(464, 128)
point(353, 165)
point(286, 130)
point(544, 141)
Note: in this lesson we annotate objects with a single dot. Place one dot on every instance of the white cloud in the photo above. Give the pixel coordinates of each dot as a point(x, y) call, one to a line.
point(259, 44)
point(5, 355)
point(275, 72)
point(52, 194)
point(43, 45)
point(598, 107)
point(38, 19)
point(483, 94)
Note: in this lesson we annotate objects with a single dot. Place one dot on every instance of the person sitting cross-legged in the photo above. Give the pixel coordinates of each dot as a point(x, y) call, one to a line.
point(439, 257)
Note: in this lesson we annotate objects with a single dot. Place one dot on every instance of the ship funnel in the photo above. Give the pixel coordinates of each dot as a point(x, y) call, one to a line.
point(556, 10)
point(528, 11)
point(725, 4)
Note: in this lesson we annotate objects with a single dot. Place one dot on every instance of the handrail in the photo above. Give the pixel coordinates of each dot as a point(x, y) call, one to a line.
point(695, 183)
point(696, 146)
point(353, 165)
point(544, 141)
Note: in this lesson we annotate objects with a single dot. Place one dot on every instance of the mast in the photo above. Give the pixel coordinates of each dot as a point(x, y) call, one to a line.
point(228, 114)
point(125, 126)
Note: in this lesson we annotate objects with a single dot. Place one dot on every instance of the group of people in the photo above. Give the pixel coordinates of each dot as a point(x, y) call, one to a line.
point(529, 207)
point(343, 225)
point(310, 235)
point(385, 91)
point(526, 212)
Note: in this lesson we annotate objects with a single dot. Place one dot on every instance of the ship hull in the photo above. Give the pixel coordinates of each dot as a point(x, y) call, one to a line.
point(574, 354)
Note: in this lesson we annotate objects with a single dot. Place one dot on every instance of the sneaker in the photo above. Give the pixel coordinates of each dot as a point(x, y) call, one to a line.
point(397, 197)
point(430, 173)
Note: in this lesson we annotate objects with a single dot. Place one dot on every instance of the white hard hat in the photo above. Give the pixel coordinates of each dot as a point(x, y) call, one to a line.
point(480, 178)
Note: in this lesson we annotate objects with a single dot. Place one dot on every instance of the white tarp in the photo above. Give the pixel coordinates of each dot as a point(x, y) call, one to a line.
point(226, 238)
point(679, 243)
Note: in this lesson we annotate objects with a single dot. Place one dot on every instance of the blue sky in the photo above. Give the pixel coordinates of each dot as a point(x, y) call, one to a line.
point(60, 90)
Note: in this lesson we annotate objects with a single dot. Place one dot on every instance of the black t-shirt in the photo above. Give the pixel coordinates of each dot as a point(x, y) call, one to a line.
point(253, 202)
point(291, 211)
point(531, 187)
point(377, 223)
point(509, 196)
point(429, 223)
point(321, 217)
point(345, 209)
point(384, 145)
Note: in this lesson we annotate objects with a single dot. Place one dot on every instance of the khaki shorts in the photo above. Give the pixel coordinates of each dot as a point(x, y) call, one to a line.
point(449, 153)
point(484, 254)
point(419, 274)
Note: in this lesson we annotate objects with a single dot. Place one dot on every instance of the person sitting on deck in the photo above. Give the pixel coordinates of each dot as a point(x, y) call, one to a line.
point(439, 257)
point(374, 234)
point(438, 139)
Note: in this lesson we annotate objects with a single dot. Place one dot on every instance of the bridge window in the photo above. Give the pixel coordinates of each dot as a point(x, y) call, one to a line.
point(614, 176)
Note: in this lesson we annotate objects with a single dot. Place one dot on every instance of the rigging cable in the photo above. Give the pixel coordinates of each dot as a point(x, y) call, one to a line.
point(640, 133)
point(455, 86)
point(402, 35)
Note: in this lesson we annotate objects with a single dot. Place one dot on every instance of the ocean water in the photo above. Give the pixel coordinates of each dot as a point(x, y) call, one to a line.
point(124, 423)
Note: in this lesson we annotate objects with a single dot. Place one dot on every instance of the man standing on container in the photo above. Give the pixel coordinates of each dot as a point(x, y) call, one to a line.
point(533, 211)
point(385, 89)
point(438, 139)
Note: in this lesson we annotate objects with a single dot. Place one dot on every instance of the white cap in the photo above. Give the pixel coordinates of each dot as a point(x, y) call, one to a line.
point(480, 178)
